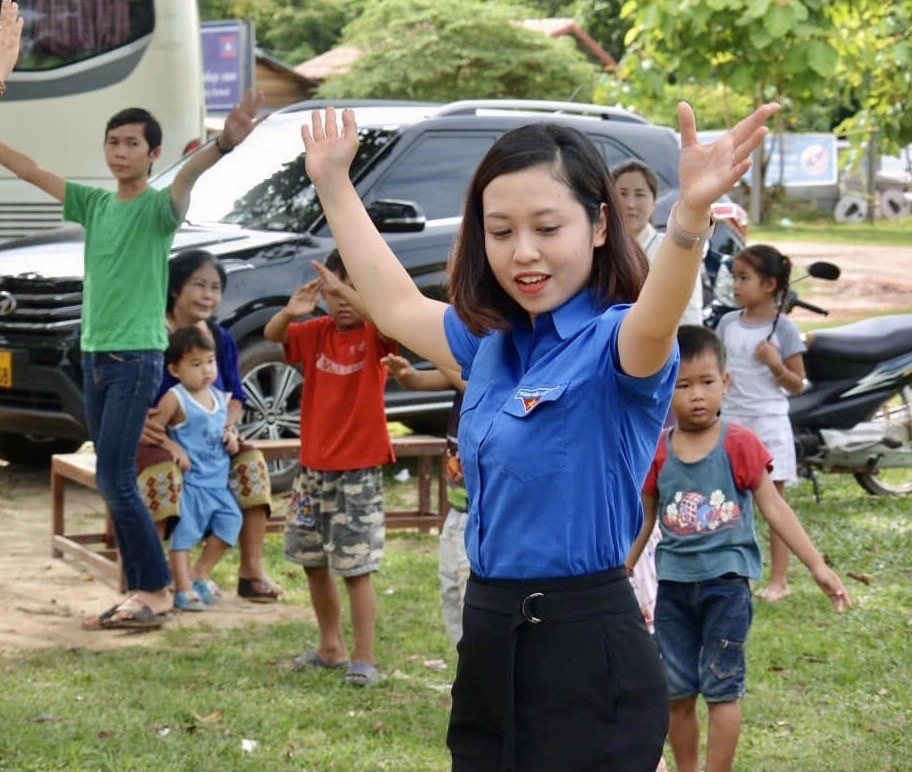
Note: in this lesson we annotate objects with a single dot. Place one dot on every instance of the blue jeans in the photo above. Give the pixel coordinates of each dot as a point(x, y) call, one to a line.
point(701, 629)
point(118, 389)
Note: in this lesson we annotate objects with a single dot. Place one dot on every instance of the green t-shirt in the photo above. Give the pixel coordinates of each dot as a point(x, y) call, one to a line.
point(126, 266)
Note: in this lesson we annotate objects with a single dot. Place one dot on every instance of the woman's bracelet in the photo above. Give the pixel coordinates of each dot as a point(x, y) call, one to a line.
point(685, 239)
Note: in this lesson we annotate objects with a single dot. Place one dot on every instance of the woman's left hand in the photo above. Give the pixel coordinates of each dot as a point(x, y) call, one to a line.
point(707, 171)
point(10, 33)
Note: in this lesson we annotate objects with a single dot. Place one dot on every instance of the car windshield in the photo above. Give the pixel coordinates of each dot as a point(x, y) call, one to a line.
point(262, 184)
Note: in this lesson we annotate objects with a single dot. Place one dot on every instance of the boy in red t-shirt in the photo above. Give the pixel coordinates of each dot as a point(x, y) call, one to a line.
point(336, 520)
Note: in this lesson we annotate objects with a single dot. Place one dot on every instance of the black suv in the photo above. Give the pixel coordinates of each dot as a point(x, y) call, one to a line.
point(257, 211)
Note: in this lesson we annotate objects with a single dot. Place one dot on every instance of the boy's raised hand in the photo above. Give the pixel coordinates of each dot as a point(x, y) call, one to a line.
point(328, 150)
point(707, 171)
point(303, 300)
point(832, 586)
point(242, 119)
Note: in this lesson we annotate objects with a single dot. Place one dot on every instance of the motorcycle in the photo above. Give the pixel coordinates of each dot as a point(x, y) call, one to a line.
point(855, 416)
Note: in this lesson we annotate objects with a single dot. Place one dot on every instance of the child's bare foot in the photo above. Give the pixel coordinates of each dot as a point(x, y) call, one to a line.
point(774, 592)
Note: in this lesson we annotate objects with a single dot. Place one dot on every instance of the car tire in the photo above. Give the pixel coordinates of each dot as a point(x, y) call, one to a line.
point(273, 411)
point(34, 451)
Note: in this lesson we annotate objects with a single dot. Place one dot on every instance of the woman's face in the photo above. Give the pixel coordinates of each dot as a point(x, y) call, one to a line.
point(637, 200)
point(538, 238)
point(200, 296)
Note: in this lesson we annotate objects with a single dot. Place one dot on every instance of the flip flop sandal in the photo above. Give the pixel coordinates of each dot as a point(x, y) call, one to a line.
point(362, 674)
point(207, 591)
point(187, 601)
point(310, 659)
point(249, 590)
point(126, 616)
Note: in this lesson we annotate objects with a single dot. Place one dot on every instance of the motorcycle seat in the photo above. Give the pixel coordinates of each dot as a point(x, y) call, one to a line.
point(871, 340)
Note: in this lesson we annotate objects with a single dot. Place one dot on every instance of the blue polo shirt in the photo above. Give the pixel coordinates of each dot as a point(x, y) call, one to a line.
point(555, 442)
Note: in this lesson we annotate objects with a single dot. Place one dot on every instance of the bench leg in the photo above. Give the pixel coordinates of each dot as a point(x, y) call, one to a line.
point(424, 486)
point(57, 505)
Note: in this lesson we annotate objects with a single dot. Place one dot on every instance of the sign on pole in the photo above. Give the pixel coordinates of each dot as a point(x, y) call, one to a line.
point(228, 62)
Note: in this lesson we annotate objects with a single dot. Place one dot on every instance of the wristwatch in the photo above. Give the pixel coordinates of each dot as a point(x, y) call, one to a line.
point(686, 239)
point(218, 146)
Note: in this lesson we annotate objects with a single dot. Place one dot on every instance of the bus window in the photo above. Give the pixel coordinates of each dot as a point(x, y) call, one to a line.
point(58, 33)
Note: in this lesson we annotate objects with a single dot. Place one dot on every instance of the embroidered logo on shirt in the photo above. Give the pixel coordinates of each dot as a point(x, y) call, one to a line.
point(530, 398)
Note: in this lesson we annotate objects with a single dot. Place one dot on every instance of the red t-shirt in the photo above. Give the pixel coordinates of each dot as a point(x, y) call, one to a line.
point(343, 420)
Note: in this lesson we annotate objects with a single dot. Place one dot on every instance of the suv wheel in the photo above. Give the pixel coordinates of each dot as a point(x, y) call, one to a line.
point(273, 411)
point(34, 451)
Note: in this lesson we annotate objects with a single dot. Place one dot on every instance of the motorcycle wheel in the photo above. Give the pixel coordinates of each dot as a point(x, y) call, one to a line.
point(897, 412)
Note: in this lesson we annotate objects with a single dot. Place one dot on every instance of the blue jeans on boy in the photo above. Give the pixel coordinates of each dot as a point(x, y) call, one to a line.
point(701, 629)
point(118, 389)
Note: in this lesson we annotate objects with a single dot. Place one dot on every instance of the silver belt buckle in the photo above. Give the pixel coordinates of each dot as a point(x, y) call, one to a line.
point(527, 614)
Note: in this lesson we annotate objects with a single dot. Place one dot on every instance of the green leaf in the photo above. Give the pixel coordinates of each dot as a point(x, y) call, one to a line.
point(778, 20)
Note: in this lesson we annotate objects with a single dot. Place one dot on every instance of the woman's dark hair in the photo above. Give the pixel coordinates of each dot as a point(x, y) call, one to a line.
point(183, 266)
point(618, 266)
point(770, 263)
point(185, 340)
point(634, 165)
point(694, 341)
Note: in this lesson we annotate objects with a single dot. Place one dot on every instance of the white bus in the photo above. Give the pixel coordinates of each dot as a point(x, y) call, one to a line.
point(81, 62)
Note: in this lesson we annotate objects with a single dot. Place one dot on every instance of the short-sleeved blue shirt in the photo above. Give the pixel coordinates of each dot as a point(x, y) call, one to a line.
point(555, 442)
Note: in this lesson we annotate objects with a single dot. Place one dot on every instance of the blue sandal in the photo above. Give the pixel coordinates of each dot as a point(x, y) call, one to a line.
point(207, 591)
point(188, 601)
point(362, 674)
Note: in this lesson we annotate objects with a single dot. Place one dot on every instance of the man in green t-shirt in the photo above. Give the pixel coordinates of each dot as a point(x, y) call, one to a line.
point(127, 242)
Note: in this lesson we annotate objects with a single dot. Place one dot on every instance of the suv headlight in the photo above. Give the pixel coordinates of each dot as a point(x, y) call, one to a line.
point(725, 285)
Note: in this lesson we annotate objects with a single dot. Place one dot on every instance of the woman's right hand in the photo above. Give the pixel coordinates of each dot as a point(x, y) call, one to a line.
point(328, 151)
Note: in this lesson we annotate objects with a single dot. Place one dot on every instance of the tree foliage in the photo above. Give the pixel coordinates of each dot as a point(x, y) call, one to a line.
point(291, 30)
point(455, 49)
point(875, 68)
point(770, 49)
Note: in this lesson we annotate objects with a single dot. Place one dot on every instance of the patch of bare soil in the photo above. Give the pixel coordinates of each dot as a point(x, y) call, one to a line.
point(874, 279)
point(43, 599)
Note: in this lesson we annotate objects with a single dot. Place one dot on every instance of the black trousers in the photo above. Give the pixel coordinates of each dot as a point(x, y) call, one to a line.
point(559, 675)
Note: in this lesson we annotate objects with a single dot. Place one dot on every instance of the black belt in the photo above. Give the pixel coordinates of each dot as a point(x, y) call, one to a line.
point(529, 602)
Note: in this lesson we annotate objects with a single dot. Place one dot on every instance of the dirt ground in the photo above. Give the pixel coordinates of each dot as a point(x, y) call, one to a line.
point(42, 599)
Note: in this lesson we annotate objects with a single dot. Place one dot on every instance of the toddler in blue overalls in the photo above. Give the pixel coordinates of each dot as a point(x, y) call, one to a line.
point(195, 415)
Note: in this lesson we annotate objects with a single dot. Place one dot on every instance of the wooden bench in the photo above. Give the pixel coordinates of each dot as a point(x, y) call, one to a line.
point(97, 551)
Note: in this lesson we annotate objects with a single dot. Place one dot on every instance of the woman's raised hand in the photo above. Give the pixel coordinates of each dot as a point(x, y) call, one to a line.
point(707, 171)
point(328, 150)
point(10, 33)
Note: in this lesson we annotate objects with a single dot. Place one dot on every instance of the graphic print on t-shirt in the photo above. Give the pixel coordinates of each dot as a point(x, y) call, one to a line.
point(692, 513)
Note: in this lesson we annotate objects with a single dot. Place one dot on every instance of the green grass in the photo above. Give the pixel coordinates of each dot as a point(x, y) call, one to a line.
point(822, 229)
point(825, 692)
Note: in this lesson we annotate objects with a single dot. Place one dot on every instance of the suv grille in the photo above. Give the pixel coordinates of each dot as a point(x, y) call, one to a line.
point(40, 307)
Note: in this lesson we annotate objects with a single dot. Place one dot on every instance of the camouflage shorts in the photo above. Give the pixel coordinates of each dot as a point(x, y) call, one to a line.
point(336, 519)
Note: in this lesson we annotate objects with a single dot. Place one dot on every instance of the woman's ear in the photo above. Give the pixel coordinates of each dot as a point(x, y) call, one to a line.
point(600, 227)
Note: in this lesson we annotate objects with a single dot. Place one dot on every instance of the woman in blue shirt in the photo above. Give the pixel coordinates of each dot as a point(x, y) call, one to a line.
point(568, 387)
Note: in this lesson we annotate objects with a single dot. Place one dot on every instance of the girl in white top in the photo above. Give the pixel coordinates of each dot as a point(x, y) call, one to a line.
point(764, 349)
point(637, 186)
